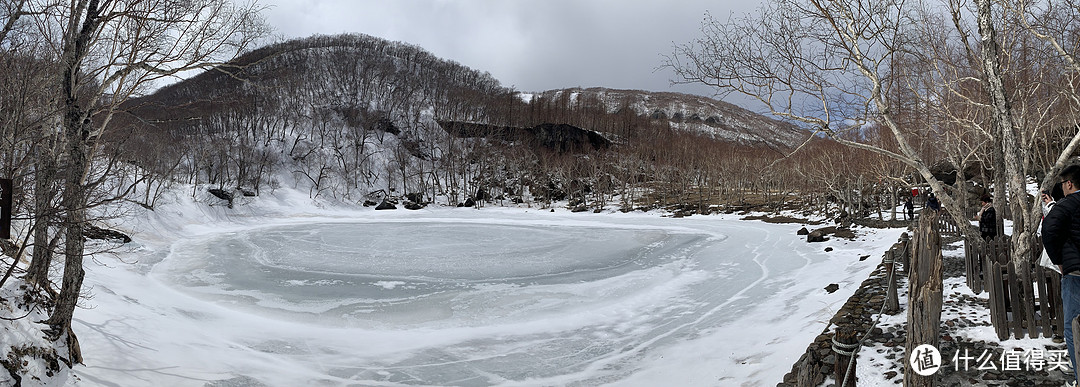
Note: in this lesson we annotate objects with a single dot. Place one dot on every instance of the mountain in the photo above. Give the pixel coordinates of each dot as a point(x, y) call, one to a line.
point(693, 113)
point(361, 118)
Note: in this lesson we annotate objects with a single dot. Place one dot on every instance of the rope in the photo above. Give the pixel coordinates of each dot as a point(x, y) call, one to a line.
point(844, 348)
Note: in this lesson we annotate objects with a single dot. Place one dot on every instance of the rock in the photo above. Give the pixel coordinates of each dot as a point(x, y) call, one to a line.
point(221, 194)
point(415, 197)
point(470, 202)
point(412, 206)
point(816, 236)
point(802, 231)
point(93, 232)
point(832, 288)
point(557, 137)
point(385, 205)
point(844, 233)
point(890, 374)
point(863, 258)
point(828, 249)
point(368, 203)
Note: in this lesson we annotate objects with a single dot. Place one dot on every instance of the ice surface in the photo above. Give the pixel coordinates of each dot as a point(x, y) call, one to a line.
point(452, 297)
point(397, 274)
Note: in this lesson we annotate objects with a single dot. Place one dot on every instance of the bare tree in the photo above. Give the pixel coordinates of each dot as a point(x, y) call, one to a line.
point(830, 65)
point(109, 51)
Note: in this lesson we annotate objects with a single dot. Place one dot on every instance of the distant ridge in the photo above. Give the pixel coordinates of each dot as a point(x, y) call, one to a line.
point(694, 113)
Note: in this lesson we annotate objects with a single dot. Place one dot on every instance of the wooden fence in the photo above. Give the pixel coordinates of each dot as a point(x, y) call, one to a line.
point(1022, 302)
point(946, 224)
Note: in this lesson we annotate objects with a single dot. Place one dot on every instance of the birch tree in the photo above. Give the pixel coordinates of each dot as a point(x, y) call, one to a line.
point(107, 52)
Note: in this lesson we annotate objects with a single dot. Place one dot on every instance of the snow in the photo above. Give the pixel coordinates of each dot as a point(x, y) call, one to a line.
point(284, 291)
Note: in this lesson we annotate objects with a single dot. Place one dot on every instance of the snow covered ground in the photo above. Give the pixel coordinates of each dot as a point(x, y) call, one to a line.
point(283, 291)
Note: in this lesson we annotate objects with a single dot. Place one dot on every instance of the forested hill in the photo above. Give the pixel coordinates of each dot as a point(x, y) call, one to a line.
point(358, 118)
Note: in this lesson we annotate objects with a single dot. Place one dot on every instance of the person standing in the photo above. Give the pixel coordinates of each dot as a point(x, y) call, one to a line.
point(1061, 239)
point(932, 203)
point(987, 218)
point(909, 209)
point(1049, 199)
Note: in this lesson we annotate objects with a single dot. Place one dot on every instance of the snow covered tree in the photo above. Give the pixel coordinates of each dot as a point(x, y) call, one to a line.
point(107, 51)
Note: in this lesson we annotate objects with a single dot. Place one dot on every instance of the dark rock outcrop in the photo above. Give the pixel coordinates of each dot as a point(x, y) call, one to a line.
point(94, 232)
point(223, 195)
point(557, 137)
point(386, 205)
point(567, 138)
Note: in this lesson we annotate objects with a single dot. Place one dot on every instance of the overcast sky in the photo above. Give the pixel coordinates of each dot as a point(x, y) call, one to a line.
point(531, 45)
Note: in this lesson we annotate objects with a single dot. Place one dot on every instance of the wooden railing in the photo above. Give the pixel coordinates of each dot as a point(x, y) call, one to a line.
point(1025, 302)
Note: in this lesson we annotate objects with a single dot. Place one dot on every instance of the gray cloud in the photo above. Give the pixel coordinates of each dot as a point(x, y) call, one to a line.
point(531, 45)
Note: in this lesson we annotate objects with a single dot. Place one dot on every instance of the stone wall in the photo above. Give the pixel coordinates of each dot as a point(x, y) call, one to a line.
point(819, 360)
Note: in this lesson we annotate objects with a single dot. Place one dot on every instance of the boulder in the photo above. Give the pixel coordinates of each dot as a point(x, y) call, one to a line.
point(223, 195)
point(802, 231)
point(415, 197)
point(832, 288)
point(385, 205)
point(816, 236)
point(413, 206)
point(94, 232)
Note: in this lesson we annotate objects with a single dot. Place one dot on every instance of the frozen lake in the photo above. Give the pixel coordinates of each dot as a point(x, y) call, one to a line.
point(464, 298)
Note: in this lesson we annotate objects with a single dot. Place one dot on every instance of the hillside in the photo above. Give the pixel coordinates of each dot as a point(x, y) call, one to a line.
point(358, 118)
point(693, 113)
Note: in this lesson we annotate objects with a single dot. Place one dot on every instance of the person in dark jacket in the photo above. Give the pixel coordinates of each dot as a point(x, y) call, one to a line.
point(1061, 239)
point(909, 209)
point(932, 203)
point(987, 218)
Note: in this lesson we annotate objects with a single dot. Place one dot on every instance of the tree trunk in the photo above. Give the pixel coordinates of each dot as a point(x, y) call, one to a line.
point(45, 172)
point(1004, 126)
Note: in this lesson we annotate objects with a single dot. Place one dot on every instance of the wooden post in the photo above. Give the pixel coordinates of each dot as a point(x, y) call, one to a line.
point(807, 375)
point(1076, 338)
point(1044, 301)
point(924, 294)
point(994, 284)
point(846, 346)
point(905, 251)
point(892, 300)
point(1059, 313)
